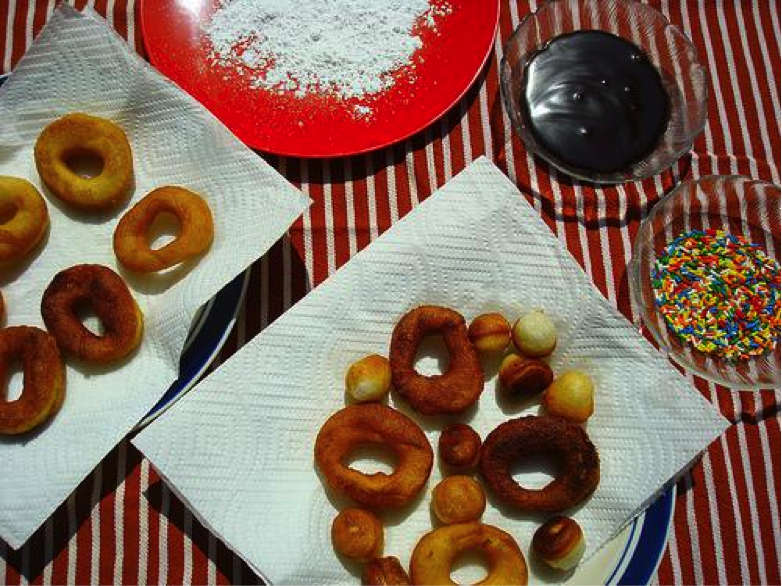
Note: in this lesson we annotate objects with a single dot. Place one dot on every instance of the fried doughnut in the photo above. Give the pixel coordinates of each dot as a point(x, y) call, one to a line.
point(560, 543)
point(527, 436)
point(27, 218)
point(436, 552)
point(374, 424)
point(43, 389)
point(459, 446)
point(357, 534)
point(196, 230)
point(455, 390)
point(77, 135)
point(107, 294)
point(385, 572)
point(458, 499)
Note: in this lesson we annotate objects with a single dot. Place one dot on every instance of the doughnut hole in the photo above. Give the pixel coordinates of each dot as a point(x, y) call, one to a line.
point(13, 382)
point(535, 472)
point(470, 567)
point(85, 312)
point(371, 459)
point(85, 163)
point(432, 358)
point(163, 230)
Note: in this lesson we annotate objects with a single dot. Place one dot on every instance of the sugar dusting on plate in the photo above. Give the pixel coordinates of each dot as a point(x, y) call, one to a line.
point(352, 49)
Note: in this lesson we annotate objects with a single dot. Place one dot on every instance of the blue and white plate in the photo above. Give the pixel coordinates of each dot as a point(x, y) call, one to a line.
point(208, 333)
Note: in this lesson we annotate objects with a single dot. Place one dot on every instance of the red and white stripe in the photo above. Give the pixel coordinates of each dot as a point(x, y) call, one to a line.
point(123, 525)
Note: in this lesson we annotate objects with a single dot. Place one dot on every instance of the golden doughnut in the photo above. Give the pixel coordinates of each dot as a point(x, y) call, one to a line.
point(374, 424)
point(458, 499)
point(43, 390)
point(108, 295)
point(529, 436)
point(455, 390)
point(436, 552)
point(196, 230)
point(357, 534)
point(77, 135)
point(28, 218)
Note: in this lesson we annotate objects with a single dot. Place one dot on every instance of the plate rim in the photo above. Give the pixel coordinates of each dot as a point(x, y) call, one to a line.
point(153, 59)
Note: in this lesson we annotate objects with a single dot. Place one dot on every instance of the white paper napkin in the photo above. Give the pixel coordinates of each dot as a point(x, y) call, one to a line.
point(239, 448)
point(79, 64)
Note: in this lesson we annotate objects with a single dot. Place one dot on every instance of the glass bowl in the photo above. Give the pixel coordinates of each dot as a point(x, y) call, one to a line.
point(674, 56)
point(738, 205)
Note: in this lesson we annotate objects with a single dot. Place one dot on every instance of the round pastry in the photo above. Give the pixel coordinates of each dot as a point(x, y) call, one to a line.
point(373, 424)
point(195, 234)
point(107, 294)
point(534, 334)
point(369, 379)
point(571, 396)
point(436, 552)
point(559, 542)
point(521, 438)
point(455, 390)
point(25, 218)
point(357, 534)
point(43, 389)
point(458, 499)
point(75, 136)
point(524, 377)
point(385, 572)
point(489, 333)
point(460, 446)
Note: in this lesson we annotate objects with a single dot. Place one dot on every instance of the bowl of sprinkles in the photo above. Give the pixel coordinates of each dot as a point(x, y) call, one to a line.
point(705, 279)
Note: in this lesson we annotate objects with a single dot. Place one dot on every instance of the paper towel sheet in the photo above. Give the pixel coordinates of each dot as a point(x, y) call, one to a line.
point(239, 449)
point(79, 64)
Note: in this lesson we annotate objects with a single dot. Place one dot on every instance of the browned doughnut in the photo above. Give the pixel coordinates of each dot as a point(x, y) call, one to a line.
point(43, 390)
point(436, 552)
point(460, 446)
point(357, 534)
point(75, 135)
point(385, 572)
point(108, 295)
point(196, 230)
point(374, 424)
point(27, 218)
point(455, 390)
point(527, 436)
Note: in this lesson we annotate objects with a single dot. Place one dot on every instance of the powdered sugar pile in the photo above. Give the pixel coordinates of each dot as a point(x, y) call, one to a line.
point(349, 48)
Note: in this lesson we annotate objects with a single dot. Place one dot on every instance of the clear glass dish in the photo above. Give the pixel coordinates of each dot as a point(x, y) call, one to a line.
point(738, 205)
point(674, 56)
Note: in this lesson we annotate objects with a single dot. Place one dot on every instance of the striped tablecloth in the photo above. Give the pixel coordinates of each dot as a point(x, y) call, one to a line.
point(124, 525)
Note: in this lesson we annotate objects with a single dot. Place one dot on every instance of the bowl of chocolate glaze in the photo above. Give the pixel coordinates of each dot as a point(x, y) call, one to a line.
point(606, 91)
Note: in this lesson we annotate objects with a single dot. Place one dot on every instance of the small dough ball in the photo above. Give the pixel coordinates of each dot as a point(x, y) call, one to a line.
point(385, 572)
point(369, 379)
point(357, 534)
point(559, 542)
point(534, 334)
point(571, 396)
point(489, 333)
point(459, 446)
point(458, 499)
point(524, 377)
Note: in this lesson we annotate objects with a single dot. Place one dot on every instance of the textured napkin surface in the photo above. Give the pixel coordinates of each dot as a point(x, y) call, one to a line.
point(239, 449)
point(79, 64)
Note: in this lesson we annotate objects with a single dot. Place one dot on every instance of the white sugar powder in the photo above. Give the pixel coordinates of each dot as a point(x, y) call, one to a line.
point(349, 48)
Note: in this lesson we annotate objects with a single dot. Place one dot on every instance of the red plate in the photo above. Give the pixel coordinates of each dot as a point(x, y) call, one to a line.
point(449, 61)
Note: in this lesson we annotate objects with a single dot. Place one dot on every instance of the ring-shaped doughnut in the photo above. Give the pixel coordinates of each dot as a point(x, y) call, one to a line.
point(108, 296)
point(569, 444)
point(75, 135)
point(196, 230)
point(374, 424)
point(43, 389)
point(28, 218)
point(455, 390)
point(435, 553)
